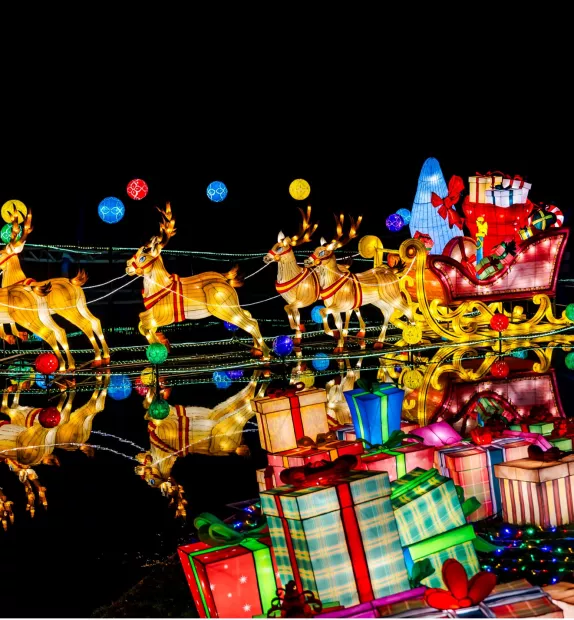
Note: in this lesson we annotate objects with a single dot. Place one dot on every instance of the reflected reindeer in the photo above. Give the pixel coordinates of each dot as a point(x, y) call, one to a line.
point(344, 291)
point(193, 430)
point(170, 299)
point(25, 443)
point(65, 298)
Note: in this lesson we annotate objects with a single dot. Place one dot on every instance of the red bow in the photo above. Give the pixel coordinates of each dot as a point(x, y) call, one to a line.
point(481, 436)
point(290, 390)
point(446, 204)
point(319, 472)
point(461, 592)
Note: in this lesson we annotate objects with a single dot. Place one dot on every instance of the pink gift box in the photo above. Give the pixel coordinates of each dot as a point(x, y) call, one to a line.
point(437, 434)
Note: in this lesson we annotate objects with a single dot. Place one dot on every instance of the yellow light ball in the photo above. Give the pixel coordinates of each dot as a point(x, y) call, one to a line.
point(412, 334)
point(12, 207)
point(299, 189)
point(147, 377)
point(412, 379)
point(307, 377)
point(368, 245)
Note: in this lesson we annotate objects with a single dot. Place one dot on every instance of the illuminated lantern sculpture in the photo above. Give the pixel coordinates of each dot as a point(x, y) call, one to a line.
point(299, 189)
point(49, 417)
point(230, 327)
point(499, 322)
point(13, 209)
point(221, 379)
point(235, 373)
point(204, 294)
point(298, 286)
point(147, 376)
point(111, 210)
point(500, 369)
point(283, 345)
point(158, 409)
point(20, 373)
point(405, 214)
point(156, 353)
point(316, 314)
point(216, 191)
point(426, 218)
point(120, 387)
point(394, 222)
point(569, 312)
point(6, 233)
point(139, 387)
point(569, 360)
point(46, 363)
point(321, 361)
point(137, 189)
point(43, 381)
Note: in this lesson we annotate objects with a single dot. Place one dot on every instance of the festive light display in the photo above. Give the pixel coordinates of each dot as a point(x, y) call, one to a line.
point(13, 209)
point(137, 189)
point(158, 409)
point(499, 322)
point(500, 368)
point(6, 233)
point(46, 363)
point(216, 191)
point(111, 210)
point(43, 381)
point(317, 318)
point(299, 189)
point(221, 380)
point(283, 345)
point(156, 353)
point(394, 222)
point(569, 360)
point(230, 326)
point(120, 387)
point(49, 417)
point(320, 361)
point(405, 214)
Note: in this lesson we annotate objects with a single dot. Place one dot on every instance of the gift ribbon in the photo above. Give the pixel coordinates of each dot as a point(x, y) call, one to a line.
point(290, 392)
point(321, 439)
point(407, 486)
point(446, 205)
point(379, 390)
point(215, 532)
point(320, 472)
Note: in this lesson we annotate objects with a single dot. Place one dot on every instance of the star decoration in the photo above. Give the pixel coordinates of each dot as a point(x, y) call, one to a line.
point(226, 566)
point(229, 595)
point(212, 586)
point(243, 579)
point(247, 607)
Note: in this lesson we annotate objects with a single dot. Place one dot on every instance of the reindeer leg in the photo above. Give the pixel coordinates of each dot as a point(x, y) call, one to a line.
point(362, 329)
point(94, 326)
point(324, 312)
point(386, 310)
point(340, 348)
point(6, 514)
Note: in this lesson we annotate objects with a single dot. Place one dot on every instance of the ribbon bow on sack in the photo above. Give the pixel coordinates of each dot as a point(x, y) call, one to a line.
point(461, 592)
point(215, 532)
point(320, 472)
point(446, 205)
point(290, 390)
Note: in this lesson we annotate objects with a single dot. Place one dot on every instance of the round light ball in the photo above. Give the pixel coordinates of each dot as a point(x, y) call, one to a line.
point(140, 388)
point(283, 345)
point(119, 387)
point(230, 326)
point(500, 369)
point(147, 376)
point(569, 360)
point(158, 409)
point(299, 189)
point(394, 222)
point(216, 191)
point(6, 233)
point(11, 208)
point(316, 314)
point(405, 214)
point(43, 381)
point(321, 361)
point(234, 373)
point(499, 322)
point(306, 377)
point(46, 363)
point(221, 380)
point(569, 312)
point(49, 417)
point(111, 210)
point(156, 353)
point(137, 189)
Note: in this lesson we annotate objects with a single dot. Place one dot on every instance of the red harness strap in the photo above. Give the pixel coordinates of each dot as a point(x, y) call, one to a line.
point(26, 281)
point(31, 417)
point(332, 289)
point(176, 290)
point(283, 287)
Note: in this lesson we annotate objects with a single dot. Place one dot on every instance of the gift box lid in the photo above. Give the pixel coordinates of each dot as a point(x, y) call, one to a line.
point(462, 457)
point(208, 554)
point(271, 404)
point(530, 470)
point(305, 502)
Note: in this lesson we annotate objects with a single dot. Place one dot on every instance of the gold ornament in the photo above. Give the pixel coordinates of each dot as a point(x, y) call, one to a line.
point(147, 377)
point(412, 334)
point(371, 247)
point(412, 379)
point(11, 208)
point(299, 189)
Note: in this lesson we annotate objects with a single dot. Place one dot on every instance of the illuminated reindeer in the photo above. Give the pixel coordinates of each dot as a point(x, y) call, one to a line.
point(343, 291)
point(193, 430)
point(299, 286)
point(66, 297)
point(170, 299)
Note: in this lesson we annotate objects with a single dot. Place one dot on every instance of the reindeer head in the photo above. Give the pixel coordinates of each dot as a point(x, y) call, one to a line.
point(15, 246)
point(142, 260)
point(168, 486)
point(325, 250)
point(284, 244)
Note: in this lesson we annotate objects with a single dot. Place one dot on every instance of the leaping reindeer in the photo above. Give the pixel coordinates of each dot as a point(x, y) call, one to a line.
point(170, 299)
point(299, 286)
point(343, 291)
point(65, 297)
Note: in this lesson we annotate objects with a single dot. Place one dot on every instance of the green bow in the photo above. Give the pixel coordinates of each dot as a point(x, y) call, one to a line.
point(395, 440)
point(468, 506)
point(215, 532)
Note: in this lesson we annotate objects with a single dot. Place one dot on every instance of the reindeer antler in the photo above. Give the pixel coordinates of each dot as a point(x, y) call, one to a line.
point(306, 229)
point(27, 228)
point(167, 226)
point(339, 240)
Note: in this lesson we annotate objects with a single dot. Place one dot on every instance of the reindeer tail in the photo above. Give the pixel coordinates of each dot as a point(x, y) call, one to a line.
point(42, 289)
point(80, 279)
point(234, 277)
point(399, 266)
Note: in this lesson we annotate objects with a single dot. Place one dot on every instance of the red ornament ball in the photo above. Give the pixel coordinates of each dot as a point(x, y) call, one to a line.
point(140, 388)
point(46, 363)
point(500, 369)
point(137, 189)
point(499, 322)
point(49, 417)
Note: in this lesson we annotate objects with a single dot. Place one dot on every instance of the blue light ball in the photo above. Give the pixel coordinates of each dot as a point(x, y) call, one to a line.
point(316, 314)
point(394, 222)
point(321, 361)
point(235, 373)
point(230, 326)
point(119, 387)
point(221, 380)
point(283, 345)
point(111, 210)
point(405, 214)
point(43, 381)
point(216, 191)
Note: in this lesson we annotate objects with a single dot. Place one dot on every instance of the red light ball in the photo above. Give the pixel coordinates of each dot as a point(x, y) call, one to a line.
point(500, 369)
point(137, 189)
point(499, 322)
point(49, 417)
point(46, 363)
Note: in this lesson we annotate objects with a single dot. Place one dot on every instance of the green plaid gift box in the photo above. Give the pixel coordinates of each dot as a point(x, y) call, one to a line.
point(340, 540)
point(425, 504)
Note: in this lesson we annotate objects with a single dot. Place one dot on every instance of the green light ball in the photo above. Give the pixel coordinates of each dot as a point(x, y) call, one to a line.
point(569, 361)
point(158, 409)
point(156, 353)
point(569, 312)
point(6, 233)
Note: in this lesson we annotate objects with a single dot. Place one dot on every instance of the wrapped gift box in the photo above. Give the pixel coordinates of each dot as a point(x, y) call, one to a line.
point(289, 415)
point(425, 504)
point(338, 540)
point(437, 434)
point(346, 432)
point(376, 414)
point(398, 461)
point(562, 443)
point(506, 197)
point(409, 427)
point(542, 428)
point(562, 595)
point(266, 478)
point(538, 492)
point(299, 457)
point(479, 184)
point(230, 581)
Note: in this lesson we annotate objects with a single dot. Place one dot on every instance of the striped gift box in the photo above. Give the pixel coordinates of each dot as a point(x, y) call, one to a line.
point(539, 492)
point(425, 504)
point(340, 541)
point(265, 478)
point(398, 461)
